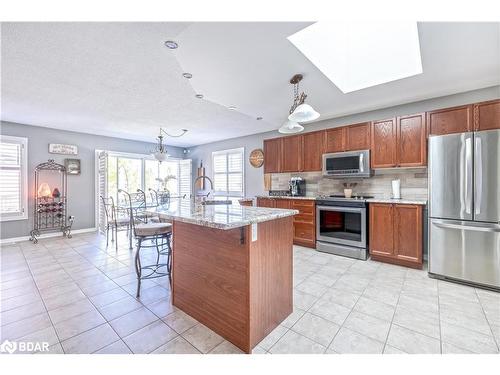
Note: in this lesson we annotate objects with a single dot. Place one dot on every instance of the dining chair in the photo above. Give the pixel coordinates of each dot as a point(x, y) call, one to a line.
point(115, 220)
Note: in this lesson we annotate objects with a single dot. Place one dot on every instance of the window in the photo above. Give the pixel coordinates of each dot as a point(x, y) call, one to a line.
point(228, 173)
point(14, 178)
point(130, 172)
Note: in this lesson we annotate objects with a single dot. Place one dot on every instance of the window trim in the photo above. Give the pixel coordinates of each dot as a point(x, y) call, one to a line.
point(226, 152)
point(23, 215)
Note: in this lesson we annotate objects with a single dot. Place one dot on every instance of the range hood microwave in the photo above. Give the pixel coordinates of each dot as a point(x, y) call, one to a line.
point(352, 164)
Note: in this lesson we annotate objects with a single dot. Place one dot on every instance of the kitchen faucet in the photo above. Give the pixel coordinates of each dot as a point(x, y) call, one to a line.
point(204, 178)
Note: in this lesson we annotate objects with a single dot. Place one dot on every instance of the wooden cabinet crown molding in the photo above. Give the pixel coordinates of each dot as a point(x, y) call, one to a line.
point(450, 120)
point(487, 115)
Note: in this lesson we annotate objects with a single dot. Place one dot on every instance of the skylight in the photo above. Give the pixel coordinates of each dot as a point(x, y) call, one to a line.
point(357, 55)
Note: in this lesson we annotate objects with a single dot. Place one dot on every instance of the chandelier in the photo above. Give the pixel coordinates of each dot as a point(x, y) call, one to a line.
point(160, 150)
point(299, 111)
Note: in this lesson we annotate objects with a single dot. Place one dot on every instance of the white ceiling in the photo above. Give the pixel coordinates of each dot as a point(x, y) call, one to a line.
point(118, 79)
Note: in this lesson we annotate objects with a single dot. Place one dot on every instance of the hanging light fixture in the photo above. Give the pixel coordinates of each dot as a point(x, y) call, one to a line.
point(300, 112)
point(290, 127)
point(160, 150)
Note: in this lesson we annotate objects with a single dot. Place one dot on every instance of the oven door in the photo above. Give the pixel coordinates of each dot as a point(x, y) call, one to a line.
point(341, 225)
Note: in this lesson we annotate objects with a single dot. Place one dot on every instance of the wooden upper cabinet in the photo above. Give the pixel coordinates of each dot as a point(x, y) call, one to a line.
point(450, 120)
point(335, 140)
point(291, 154)
point(381, 229)
point(357, 137)
point(487, 115)
point(312, 151)
point(411, 141)
point(383, 144)
point(408, 232)
point(272, 155)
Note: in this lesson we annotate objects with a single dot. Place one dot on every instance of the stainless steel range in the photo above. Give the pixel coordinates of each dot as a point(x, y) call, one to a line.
point(342, 226)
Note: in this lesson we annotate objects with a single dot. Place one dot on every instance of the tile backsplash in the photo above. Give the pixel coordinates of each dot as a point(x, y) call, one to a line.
point(413, 183)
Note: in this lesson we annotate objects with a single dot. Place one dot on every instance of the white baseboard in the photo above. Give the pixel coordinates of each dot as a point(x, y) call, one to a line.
point(12, 240)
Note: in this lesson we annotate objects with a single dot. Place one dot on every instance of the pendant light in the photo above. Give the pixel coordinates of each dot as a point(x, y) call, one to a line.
point(300, 111)
point(160, 150)
point(290, 127)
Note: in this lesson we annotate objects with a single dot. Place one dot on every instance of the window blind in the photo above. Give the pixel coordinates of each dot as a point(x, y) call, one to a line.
point(185, 181)
point(228, 172)
point(13, 177)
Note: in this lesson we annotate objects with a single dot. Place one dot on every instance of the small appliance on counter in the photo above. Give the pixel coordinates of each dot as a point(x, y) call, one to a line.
point(297, 187)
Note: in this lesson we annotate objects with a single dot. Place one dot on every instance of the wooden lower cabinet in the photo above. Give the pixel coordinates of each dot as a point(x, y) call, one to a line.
point(304, 224)
point(396, 234)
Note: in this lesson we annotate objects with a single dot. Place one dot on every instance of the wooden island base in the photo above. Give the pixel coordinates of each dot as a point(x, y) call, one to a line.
point(236, 285)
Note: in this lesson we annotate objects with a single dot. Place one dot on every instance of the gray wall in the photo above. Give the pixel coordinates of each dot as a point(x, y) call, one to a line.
point(254, 177)
point(81, 188)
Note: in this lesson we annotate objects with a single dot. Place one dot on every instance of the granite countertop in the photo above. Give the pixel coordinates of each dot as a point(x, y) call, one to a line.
point(286, 197)
point(218, 216)
point(245, 199)
point(400, 201)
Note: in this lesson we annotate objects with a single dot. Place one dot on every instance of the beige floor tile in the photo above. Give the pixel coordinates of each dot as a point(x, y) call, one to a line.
point(367, 325)
point(476, 322)
point(119, 308)
point(330, 311)
point(117, 347)
point(179, 321)
point(293, 343)
point(467, 339)
point(374, 308)
point(412, 342)
point(387, 296)
point(178, 345)
point(226, 348)
point(424, 323)
point(60, 300)
point(22, 312)
point(106, 298)
point(69, 311)
point(273, 337)
point(392, 350)
point(78, 324)
point(15, 302)
point(162, 308)
point(24, 327)
point(259, 350)
point(303, 300)
point(149, 337)
point(90, 341)
point(311, 287)
point(131, 322)
point(342, 297)
point(202, 338)
point(350, 342)
point(153, 294)
point(452, 349)
point(46, 335)
point(293, 317)
point(316, 328)
point(54, 349)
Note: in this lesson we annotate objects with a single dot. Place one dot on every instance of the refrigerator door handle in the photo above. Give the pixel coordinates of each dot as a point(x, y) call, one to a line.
point(468, 175)
point(478, 188)
point(447, 225)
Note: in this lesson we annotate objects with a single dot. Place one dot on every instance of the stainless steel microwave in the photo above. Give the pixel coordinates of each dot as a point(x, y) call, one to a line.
point(349, 164)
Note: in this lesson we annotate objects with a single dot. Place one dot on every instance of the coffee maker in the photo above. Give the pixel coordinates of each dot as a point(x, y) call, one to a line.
point(297, 187)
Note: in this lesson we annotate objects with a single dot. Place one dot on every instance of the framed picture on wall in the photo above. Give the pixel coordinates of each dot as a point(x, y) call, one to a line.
point(72, 166)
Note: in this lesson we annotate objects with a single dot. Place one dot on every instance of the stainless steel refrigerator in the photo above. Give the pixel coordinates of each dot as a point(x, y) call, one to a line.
point(464, 207)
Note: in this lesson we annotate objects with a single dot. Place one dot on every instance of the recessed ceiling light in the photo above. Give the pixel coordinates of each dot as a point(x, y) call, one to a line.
point(361, 54)
point(171, 44)
point(232, 108)
point(259, 118)
point(199, 96)
point(187, 75)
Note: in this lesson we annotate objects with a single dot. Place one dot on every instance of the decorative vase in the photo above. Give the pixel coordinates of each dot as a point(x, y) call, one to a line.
point(56, 193)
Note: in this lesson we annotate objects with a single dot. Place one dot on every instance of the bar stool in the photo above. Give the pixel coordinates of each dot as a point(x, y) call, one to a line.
point(151, 236)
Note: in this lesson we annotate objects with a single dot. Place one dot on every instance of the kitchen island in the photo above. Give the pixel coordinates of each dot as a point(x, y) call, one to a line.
point(232, 267)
